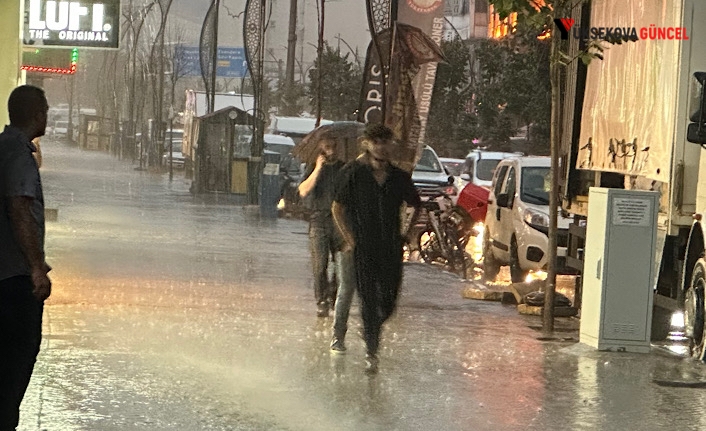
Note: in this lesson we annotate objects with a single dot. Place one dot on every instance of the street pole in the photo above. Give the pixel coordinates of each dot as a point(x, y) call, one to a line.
point(171, 142)
point(214, 53)
point(70, 124)
point(291, 44)
point(254, 37)
point(319, 56)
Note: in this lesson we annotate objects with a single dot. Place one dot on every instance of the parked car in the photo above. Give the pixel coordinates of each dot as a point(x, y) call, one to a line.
point(454, 167)
point(60, 128)
point(474, 182)
point(479, 166)
point(517, 220)
point(280, 144)
point(178, 158)
point(430, 177)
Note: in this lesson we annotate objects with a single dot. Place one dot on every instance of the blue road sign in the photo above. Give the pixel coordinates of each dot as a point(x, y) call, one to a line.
point(231, 61)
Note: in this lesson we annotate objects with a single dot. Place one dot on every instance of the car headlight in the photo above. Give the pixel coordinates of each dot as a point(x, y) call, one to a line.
point(536, 219)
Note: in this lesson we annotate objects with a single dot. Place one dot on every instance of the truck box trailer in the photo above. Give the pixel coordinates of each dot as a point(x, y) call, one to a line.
point(625, 126)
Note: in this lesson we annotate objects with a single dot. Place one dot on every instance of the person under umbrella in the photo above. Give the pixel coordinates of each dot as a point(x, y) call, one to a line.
point(318, 187)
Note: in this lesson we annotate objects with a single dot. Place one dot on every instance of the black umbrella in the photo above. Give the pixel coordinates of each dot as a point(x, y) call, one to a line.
point(344, 134)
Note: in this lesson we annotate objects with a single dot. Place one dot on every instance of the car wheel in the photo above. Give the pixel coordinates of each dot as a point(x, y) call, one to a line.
point(517, 274)
point(694, 319)
point(491, 267)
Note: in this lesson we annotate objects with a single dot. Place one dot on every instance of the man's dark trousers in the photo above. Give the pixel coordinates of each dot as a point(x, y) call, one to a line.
point(20, 339)
point(322, 239)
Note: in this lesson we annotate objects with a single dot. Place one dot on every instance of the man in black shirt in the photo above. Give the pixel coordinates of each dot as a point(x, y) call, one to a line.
point(319, 184)
point(366, 210)
point(24, 279)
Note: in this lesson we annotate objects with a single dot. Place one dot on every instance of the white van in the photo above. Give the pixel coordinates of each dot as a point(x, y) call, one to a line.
point(480, 166)
point(517, 220)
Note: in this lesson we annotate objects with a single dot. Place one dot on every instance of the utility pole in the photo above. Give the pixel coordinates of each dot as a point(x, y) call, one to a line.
point(70, 124)
point(214, 59)
point(254, 38)
point(319, 56)
point(291, 43)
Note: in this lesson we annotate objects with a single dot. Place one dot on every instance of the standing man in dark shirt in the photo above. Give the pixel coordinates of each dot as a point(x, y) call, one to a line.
point(319, 184)
point(366, 210)
point(24, 284)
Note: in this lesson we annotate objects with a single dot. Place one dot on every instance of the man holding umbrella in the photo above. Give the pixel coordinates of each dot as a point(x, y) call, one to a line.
point(319, 186)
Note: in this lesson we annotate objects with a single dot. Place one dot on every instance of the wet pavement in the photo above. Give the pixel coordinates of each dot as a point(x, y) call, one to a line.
point(169, 313)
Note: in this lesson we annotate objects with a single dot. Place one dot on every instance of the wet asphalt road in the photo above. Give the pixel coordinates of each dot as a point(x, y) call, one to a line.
point(169, 313)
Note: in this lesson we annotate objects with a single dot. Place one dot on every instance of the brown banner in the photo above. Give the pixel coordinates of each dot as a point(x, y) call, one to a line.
point(428, 16)
point(416, 37)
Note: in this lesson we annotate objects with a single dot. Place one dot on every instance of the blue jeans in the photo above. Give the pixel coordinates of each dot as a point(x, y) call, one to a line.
point(345, 272)
point(323, 244)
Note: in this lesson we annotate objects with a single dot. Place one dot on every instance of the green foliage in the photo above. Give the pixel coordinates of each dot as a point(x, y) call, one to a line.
point(451, 125)
point(247, 88)
point(291, 100)
point(512, 91)
point(341, 82)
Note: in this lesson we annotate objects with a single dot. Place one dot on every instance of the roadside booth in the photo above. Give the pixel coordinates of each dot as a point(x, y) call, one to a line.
point(222, 151)
point(94, 132)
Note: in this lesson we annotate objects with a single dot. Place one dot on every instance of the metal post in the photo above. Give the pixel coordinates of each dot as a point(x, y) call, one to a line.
point(254, 36)
point(319, 56)
point(171, 142)
point(212, 101)
point(291, 43)
point(70, 124)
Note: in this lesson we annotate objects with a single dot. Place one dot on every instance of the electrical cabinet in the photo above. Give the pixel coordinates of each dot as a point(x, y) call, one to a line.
point(618, 275)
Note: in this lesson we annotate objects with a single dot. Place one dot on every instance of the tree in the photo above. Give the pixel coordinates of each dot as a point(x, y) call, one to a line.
point(290, 99)
point(452, 126)
point(135, 18)
point(341, 81)
point(540, 15)
point(512, 90)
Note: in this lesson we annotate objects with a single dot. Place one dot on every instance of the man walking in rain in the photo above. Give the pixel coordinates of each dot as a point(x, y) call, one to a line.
point(366, 210)
point(24, 284)
point(319, 186)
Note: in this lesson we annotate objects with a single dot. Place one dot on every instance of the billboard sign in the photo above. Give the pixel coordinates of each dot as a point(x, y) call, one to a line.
point(231, 62)
point(78, 23)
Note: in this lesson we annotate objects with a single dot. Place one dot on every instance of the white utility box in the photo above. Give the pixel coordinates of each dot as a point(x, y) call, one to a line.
point(618, 271)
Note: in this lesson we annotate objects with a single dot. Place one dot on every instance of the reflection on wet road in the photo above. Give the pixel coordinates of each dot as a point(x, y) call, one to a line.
point(175, 314)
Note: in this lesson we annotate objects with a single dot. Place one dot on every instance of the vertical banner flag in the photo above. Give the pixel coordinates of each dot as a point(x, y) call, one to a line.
point(427, 16)
point(415, 40)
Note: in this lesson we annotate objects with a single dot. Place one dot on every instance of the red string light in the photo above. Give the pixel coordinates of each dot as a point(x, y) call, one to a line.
point(62, 71)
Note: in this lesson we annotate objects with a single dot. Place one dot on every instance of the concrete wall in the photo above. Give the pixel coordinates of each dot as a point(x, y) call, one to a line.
point(10, 65)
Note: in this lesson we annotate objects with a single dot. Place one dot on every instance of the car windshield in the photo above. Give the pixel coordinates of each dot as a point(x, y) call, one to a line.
point(428, 162)
point(282, 149)
point(175, 136)
point(485, 168)
point(535, 185)
point(454, 168)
